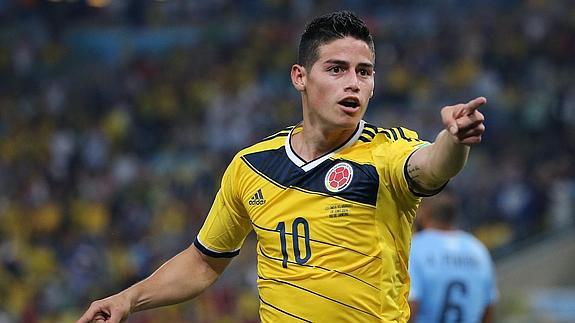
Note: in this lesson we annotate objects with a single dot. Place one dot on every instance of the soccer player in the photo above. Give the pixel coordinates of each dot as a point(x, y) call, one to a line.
point(452, 277)
point(331, 199)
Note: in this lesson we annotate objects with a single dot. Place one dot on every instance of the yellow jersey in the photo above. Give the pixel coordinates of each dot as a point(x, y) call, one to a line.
point(333, 234)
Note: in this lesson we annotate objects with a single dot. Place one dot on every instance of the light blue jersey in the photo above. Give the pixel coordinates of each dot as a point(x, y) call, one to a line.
point(452, 277)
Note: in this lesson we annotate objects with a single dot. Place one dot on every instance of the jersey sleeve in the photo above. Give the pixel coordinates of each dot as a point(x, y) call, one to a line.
point(227, 224)
point(392, 157)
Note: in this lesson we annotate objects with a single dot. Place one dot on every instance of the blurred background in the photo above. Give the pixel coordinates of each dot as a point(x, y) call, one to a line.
point(118, 117)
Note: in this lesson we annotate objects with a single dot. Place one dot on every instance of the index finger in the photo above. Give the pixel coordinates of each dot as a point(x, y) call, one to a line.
point(86, 318)
point(472, 105)
point(91, 315)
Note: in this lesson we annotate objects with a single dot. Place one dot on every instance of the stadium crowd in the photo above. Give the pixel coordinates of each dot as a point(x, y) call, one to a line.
point(117, 119)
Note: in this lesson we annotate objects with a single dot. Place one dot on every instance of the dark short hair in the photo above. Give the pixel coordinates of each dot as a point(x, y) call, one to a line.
point(444, 207)
point(327, 28)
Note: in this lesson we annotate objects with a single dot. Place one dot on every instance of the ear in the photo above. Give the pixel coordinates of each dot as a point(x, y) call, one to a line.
point(371, 95)
point(298, 77)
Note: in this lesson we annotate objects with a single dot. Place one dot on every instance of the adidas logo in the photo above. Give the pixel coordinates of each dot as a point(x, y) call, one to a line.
point(257, 199)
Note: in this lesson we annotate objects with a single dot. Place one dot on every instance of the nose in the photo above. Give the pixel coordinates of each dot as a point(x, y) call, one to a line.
point(352, 83)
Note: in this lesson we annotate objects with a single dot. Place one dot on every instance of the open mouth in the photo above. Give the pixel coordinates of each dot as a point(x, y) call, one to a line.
point(350, 102)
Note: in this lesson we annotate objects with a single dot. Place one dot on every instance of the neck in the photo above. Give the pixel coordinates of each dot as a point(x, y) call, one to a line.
point(311, 143)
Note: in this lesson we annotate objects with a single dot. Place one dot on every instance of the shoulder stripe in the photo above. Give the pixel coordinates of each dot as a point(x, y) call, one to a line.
point(367, 133)
point(370, 132)
point(281, 133)
point(284, 312)
point(387, 133)
point(393, 133)
point(371, 127)
point(318, 267)
point(402, 134)
point(318, 294)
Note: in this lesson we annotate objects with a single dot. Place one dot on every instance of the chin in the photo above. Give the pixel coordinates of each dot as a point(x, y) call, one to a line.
point(351, 119)
point(347, 123)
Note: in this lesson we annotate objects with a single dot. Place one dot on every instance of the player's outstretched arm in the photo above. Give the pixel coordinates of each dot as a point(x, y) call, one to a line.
point(433, 165)
point(179, 279)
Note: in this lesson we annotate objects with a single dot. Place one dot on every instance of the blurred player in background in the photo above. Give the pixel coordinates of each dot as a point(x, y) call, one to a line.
point(331, 200)
point(452, 274)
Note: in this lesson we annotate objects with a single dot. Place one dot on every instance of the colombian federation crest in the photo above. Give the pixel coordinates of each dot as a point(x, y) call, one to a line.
point(338, 177)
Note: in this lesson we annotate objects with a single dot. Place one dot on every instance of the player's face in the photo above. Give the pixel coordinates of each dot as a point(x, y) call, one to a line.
point(340, 83)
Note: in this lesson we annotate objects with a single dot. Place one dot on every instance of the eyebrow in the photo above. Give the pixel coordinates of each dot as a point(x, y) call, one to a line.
point(345, 63)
